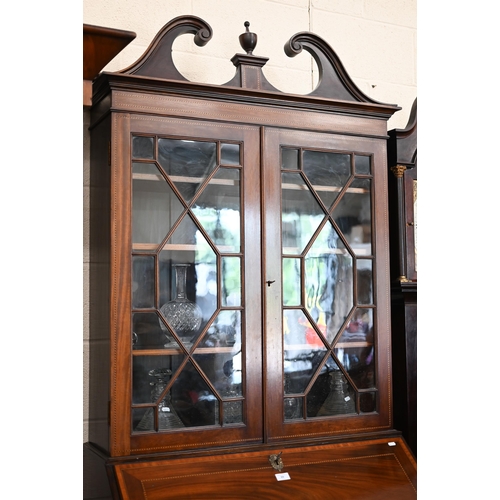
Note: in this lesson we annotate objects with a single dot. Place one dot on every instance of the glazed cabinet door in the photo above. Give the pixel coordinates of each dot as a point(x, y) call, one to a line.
point(326, 272)
point(190, 341)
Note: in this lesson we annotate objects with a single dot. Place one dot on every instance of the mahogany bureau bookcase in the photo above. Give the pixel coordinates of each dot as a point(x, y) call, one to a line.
point(240, 285)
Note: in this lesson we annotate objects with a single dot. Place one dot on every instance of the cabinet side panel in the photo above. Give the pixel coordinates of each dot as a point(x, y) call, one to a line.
point(99, 285)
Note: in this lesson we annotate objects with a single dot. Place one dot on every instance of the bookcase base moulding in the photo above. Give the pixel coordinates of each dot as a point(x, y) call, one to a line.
point(240, 286)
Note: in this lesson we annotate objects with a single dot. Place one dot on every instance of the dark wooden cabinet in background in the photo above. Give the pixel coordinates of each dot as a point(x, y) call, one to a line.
point(240, 305)
point(402, 153)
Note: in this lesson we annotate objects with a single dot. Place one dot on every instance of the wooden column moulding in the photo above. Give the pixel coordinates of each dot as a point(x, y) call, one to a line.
point(402, 158)
point(299, 394)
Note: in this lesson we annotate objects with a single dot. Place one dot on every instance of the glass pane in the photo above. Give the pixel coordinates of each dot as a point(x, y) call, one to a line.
point(331, 394)
point(327, 172)
point(225, 331)
point(146, 370)
point(142, 147)
point(155, 207)
point(193, 399)
point(162, 416)
point(218, 209)
point(329, 282)
point(187, 163)
point(291, 282)
point(359, 327)
point(355, 349)
point(219, 354)
point(362, 164)
point(231, 281)
point(368, 402)
point(353, 216)
point(364, 281)
point(147, 332)
point(143, 281)
point(301, 215)
point(230, 154)
point(232, 369)
point(205, 283)
point(289, 159)
point(233, 412)
point(293, 408)
point(219, 367)
point(303, 352)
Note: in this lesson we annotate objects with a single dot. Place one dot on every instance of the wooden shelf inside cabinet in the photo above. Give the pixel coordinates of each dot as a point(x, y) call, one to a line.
point(174, 351)
point(326, 189)
point(152, 247)
point(230, 182)
point(301, 347)
point(185, 179)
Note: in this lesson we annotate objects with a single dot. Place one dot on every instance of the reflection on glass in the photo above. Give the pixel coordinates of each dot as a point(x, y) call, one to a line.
point(230, 154)
point(143, 281)
point(223, 369)
point(362, 164)
point(328, 281)
point(187, 163)
point(150, 333)
point(301, 214)
point(291, 282)
point(225, 330)
point(359, 327)
point(304, 351)
point(155, 207)
point(233, 412)
point(289, 159)
point(368, 402)
point(353, 216)
point(193, 398)
point(327, 172)
point(331, 393)
point(231, 281)
point(293, 408)
point(364, 281)
point(142, 147)
point(355, 349)
point(218, 209)
point(219, 357)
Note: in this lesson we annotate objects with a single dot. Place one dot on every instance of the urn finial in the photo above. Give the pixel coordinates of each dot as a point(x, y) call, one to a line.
point(248, 40)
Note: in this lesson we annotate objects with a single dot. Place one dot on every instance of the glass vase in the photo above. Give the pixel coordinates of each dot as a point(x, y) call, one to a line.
point(339, 400)
point(167, 416)
point(183, 315)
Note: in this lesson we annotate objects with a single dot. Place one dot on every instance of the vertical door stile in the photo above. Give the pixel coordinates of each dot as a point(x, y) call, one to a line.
point(272, 273)
point(120, 300)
